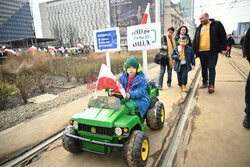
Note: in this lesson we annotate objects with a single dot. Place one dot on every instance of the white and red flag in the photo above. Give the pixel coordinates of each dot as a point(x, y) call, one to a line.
point(79, 46)
point(3, 47)
point(32, 49)
point(10, 51)
point(146, 17)
point(107, 80)
point(51, 48)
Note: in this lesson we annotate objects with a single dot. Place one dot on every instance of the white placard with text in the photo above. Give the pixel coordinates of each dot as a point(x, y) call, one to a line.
point(144, 37)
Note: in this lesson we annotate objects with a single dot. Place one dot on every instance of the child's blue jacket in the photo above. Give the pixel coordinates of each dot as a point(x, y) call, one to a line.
point(189, 56)
point(138, 91)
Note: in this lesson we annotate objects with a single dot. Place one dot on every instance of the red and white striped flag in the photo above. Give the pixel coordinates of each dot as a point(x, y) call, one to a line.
point(10, 51)
point(107, 80)
point(79, 46)
point(146, 17)
point(51, 48)
point(32, 49)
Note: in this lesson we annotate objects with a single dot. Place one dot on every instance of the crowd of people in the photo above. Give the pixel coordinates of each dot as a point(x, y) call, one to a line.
point(63, 52)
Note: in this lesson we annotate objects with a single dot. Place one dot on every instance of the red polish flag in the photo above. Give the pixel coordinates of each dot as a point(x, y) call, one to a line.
point(79, 46)
point(146, 17)
point(107, 80)
point(51, 48)
point(3, 47)
point(32, 49)
point(12, 52)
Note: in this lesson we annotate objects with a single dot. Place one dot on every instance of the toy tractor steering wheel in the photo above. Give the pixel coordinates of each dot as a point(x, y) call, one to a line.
point(116, 94)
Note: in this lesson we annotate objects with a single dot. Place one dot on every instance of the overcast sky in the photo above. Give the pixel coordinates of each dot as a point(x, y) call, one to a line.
point(229, 12)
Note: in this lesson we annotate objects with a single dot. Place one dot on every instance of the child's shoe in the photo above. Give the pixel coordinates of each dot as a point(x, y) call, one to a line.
point(180, 88)
point(184, 87)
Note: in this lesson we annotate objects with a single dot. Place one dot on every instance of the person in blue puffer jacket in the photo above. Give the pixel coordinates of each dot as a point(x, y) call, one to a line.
point(135, 85)
point(184, 62)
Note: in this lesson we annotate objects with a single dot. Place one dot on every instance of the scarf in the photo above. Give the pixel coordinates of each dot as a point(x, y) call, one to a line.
point(182, 52)
point(171, 46)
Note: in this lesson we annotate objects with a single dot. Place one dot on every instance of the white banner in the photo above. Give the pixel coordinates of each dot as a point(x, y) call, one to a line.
point(144, 37)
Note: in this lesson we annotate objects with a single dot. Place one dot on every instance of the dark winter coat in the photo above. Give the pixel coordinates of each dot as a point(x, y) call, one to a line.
point(247, 45)
point(138, 91)
point(230, 42)
point(189, 56)
point(242, 40)
point(217, 38)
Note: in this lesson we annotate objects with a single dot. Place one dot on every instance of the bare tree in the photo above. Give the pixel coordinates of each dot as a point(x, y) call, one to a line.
point(58, 35)
point(72, 35)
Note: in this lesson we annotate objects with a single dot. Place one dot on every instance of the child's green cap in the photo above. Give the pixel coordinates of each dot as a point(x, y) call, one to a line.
point(132, 62)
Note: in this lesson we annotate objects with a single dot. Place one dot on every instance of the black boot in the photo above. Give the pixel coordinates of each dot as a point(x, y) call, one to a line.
point(246, 122)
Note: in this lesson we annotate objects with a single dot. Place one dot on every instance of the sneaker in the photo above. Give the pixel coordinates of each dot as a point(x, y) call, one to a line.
point(246, 122)
point(160, 88)
point(169, 85)
point(204, 86)
point(211, 89)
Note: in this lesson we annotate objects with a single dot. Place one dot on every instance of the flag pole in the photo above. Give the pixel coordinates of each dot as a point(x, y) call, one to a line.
point(145, 63)
point(146, 19)
point(108, 60)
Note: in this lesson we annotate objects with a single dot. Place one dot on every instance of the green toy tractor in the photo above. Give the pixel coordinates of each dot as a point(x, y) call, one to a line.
point(106, 126)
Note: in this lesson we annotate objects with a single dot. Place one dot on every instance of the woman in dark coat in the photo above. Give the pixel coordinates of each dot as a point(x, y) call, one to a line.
point(182, 31)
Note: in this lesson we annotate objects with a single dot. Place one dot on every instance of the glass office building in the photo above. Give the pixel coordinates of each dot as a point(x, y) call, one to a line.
point(15, 20)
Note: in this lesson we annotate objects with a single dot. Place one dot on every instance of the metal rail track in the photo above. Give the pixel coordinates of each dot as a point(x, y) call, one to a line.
point(237, 69)
point(33, 151)
point(169, 158)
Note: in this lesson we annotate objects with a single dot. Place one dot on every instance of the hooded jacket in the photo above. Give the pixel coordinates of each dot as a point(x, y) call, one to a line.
point(138, 91)
point(217, 38)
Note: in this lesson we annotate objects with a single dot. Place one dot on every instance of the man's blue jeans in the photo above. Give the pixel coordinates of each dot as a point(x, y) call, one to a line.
point(163, 69)
point(208, 62)
point(247, 96)
point(182, 75)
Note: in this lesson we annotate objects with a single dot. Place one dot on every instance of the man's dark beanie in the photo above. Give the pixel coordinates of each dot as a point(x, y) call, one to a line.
point(132, 62)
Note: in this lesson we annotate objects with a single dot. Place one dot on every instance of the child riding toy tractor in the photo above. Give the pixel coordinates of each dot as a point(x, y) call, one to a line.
point(116, 122)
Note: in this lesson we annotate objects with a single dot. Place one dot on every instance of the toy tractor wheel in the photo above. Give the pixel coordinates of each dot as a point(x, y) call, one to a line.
point(152, 102)
point(156, 116)
point(70, 144)
point(136, 149)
